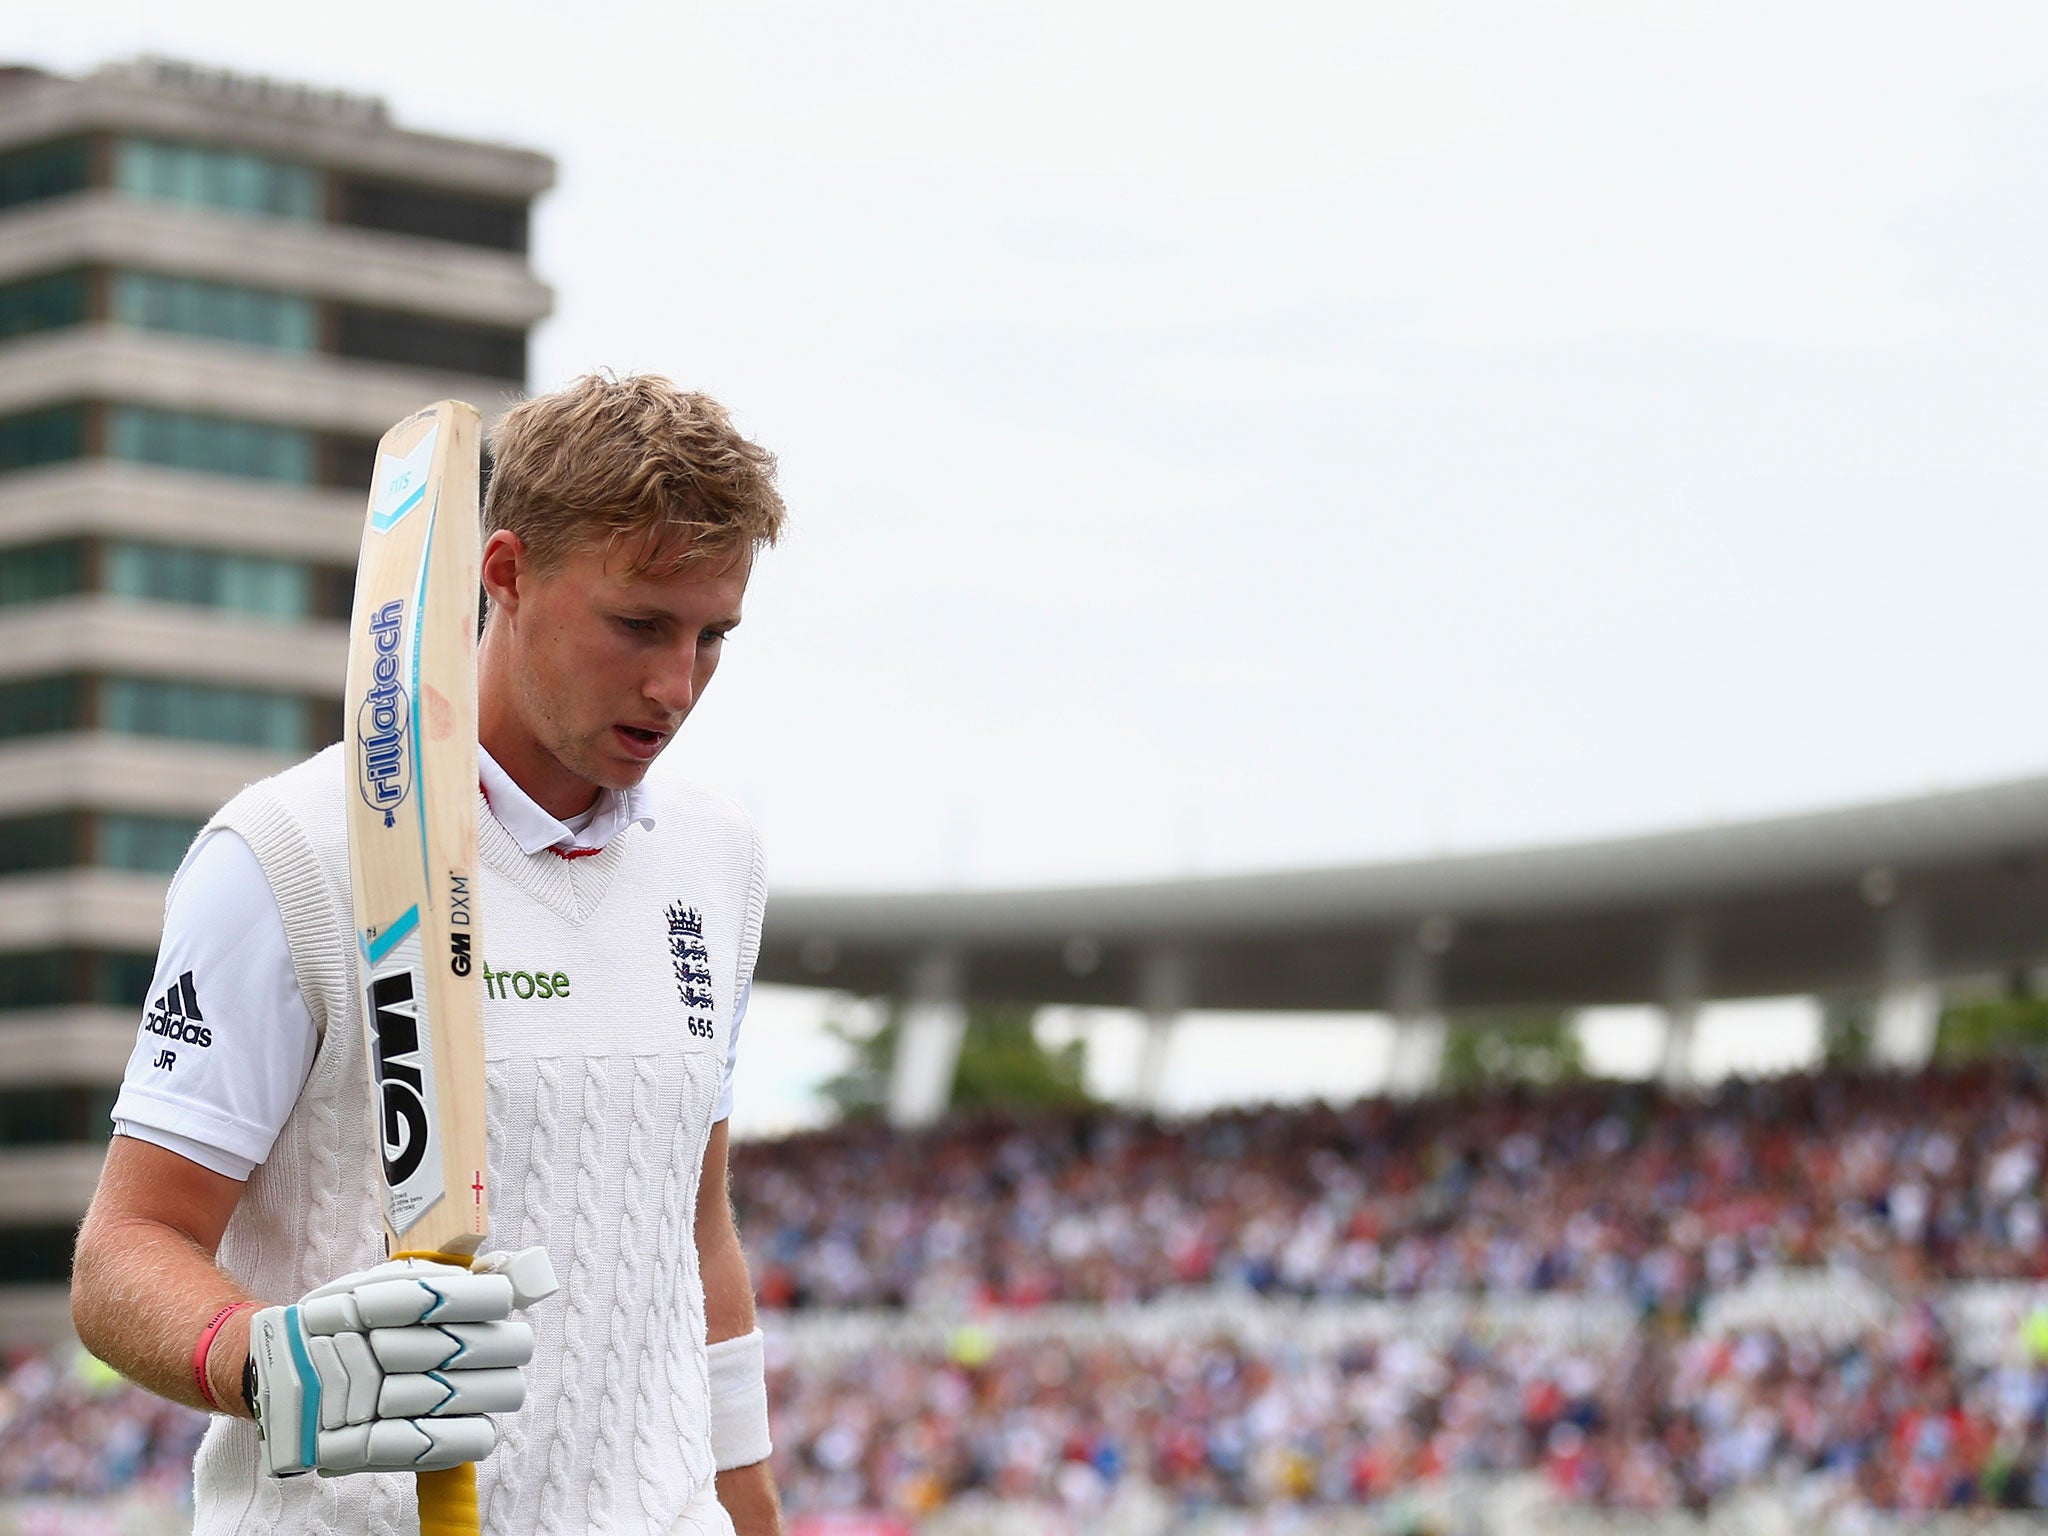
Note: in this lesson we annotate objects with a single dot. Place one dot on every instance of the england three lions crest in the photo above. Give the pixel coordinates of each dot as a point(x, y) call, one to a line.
point(690, 963)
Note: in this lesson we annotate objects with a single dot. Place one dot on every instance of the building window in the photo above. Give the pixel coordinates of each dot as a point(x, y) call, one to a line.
point(44, 170)
point(37, 1255)
point(117, 980)
point(205, 578)
point(207, 176)
point(42, 1117)
point(237, 717)
point(46, 303)
point(432, 214)
point(334, 596)
point(387, 336)
point(167, 573)
point(31, 844)
point(223, 311)
point(153, 845)
point(107, 839)
point(36, 573)
point(48, 436)
point(46, 978)
point(212, 444)
point(348, 461)
point(146, 706)
point(41, 706)
point(57, 978)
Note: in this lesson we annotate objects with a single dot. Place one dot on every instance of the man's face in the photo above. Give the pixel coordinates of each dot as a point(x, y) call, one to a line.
point(588, 670)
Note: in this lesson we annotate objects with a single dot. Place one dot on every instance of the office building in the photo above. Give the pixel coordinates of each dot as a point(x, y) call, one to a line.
point(215, 294)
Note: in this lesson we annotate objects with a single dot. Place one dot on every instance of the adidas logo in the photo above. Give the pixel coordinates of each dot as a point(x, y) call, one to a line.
point(176, 1015)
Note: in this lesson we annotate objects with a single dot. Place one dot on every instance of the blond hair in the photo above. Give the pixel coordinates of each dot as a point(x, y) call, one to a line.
point(635, 462)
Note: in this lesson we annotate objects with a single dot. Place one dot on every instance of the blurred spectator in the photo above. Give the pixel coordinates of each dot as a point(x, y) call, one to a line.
point(1606, 1188)
point(1610, 1190)
point(77, 1428)
point(1888, 1421)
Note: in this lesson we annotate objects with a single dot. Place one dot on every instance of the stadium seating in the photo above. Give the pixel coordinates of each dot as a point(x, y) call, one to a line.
point(1826, 1291)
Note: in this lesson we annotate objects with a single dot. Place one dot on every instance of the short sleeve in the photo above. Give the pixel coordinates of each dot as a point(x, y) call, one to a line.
point(732, 1051)
point(226, 1039)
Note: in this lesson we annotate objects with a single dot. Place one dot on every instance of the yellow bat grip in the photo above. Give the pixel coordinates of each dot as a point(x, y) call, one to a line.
point(448, 1502)
point(448, 1497)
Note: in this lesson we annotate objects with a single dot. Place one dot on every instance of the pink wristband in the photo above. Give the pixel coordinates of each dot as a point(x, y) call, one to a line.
point(205, 1346)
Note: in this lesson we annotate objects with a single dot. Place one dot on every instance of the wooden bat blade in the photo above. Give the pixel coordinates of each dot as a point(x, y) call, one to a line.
point(409, 720)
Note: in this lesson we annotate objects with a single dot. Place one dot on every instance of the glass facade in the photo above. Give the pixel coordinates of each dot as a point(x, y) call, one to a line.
point(209, 176)
point(52, 1116)
point(48, 436)
point(41, 706)
point(46, 303)
point(417, 341)
point(109, 839)
point(32, 843)
point(56, 978)
point(34, 573)
point(37, 1255)
point(116, 980)
point(47, 978)
point(207, 578)
point(237, 717)
point(431, 213)
point(213, 444)
point(149, 706)
point(39, 171)
point(222, 311)
point(148, 844)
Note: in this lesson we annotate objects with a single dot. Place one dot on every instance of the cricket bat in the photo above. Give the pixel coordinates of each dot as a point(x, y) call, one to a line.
point(409, 728)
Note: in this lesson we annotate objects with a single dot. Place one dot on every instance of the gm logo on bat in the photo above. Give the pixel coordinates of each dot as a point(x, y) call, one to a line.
point(395, 1028)
point(384, 773)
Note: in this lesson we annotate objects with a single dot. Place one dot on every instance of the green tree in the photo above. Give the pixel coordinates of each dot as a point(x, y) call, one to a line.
point(1003, 1064)
point(1847, 1025)
point(1490, 1050)
point(2009, 1025)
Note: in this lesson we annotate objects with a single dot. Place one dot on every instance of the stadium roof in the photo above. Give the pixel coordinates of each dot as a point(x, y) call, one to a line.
point(1784, 905)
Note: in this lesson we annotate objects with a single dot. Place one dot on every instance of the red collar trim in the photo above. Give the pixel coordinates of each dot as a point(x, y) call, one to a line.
point(560, 853)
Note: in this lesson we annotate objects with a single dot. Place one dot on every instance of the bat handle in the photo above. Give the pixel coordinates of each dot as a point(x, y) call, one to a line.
point(448, 1502)
point(447, 1498)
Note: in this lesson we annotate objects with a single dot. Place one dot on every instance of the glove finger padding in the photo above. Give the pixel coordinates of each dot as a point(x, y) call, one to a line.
point(392, 1368)
point(458, 1392)
point(453, 1296)
point(405, 1445)
point(472, 1346)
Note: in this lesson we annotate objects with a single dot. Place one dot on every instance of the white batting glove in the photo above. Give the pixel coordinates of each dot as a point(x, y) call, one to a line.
point(393, 1369)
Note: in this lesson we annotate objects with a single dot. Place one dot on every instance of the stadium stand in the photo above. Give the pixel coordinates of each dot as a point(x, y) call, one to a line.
point(1615, 1189)
point(1826, 1292)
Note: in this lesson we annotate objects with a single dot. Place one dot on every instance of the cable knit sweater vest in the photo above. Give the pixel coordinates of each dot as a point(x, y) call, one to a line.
point(601, 1094)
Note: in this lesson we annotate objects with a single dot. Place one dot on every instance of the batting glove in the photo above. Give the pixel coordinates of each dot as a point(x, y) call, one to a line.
point(393, 1369)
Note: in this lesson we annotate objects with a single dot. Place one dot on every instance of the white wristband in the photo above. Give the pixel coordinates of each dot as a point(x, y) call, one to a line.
point(739, 1401)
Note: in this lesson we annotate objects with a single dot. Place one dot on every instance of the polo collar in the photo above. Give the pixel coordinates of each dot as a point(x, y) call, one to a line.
point(535, 831)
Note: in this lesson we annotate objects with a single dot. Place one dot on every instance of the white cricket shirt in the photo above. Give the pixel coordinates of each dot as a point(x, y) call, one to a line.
point(226, 1039)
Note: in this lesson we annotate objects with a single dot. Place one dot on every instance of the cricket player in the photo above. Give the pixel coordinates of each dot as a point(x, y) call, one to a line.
point(619, 925)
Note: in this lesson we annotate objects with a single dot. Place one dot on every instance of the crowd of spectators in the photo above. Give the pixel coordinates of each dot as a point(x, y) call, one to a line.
point(1601, 1189)
point(1888, 1421)
point(1604, 1188)
point(69, 1425)
point(1665, 1419)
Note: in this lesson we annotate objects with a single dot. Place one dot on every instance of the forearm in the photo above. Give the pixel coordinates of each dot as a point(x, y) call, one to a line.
point(748, 1494)
point(746, 1491)
point(141, 1295)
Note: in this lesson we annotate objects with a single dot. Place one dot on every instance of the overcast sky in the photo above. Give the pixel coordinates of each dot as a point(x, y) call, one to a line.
point(1246, 436)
